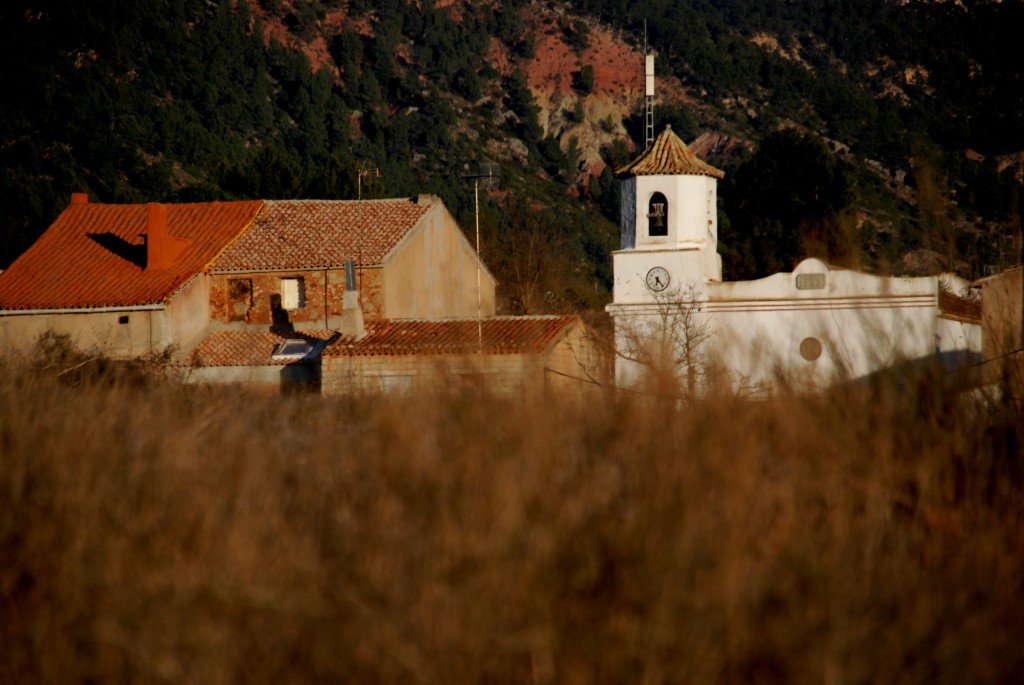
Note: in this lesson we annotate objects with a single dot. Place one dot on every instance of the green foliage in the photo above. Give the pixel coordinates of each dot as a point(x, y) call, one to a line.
point(184, 100)
point(786, 202)
point(583, 80)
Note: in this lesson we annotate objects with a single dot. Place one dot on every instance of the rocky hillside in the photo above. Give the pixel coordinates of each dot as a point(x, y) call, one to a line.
point(911, 111)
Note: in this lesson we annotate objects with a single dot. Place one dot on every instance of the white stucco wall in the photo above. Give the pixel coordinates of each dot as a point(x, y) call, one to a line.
point(691, 216)
point(850, 324)
point(691, 226)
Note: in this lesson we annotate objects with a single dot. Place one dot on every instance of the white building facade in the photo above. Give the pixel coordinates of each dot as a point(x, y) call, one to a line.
point(675, 315)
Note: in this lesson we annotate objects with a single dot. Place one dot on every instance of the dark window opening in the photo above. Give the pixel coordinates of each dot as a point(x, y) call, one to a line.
point(657, 215)
point(122, 319)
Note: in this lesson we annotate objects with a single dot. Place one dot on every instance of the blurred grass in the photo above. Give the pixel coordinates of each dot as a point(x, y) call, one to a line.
point(151, 532)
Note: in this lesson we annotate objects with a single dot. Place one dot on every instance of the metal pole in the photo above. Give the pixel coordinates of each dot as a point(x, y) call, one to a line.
point(479, 305)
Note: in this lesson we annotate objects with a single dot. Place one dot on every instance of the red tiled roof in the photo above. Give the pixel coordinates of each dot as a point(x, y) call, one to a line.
point(247, 347)
point(959, 307)
point(93, 255)
point(669, 155)
point(295, 234)
point(499, 335)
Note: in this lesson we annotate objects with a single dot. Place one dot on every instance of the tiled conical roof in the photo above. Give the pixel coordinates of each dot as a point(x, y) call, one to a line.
point(669, 156)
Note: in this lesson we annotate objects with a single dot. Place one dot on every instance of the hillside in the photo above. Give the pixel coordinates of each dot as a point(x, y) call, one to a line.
point(911, 111)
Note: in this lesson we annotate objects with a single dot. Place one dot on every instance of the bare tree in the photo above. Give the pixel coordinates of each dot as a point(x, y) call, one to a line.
point(666, 339)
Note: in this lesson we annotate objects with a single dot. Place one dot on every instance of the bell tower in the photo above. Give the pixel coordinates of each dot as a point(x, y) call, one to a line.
point(669, 241)
point(668, 220)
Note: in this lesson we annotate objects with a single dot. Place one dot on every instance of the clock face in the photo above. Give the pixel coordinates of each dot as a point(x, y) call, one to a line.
point(657, 279)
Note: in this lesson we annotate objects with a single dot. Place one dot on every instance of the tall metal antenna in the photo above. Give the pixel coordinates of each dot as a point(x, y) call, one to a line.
point(648, 92)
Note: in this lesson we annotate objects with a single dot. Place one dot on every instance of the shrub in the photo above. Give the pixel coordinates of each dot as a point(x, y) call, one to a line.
point(154, 533)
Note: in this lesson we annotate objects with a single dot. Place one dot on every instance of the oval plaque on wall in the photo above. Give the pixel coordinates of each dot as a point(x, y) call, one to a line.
point(810, 349)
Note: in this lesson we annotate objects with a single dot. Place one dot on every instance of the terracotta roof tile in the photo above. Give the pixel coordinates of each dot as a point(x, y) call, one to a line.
point(247, 347)
point(294, 234)
point(499, 335)
point(959, 307)
point(94, 256)
point(669, 155)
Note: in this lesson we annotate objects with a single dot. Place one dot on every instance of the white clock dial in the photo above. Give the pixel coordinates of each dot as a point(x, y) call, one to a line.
point(657, 279)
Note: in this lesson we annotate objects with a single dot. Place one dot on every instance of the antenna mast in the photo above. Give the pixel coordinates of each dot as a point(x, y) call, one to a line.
point(648, 92)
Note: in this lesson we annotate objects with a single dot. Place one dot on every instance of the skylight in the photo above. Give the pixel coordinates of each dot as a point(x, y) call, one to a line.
point(295, 349)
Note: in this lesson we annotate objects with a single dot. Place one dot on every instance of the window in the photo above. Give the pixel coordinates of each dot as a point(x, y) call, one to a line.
point(293, 293)
point(396, 384)
point(657, 215)
point(239, 298)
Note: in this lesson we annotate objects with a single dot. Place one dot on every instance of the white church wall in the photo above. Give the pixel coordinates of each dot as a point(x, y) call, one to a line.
point(956, 335)
point(691, 205)
point(815, 326)
point(627, 218)
point(807, 328)
point(685, 268)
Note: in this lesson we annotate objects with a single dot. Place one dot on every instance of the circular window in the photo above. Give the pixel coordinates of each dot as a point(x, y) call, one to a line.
point(810, 349)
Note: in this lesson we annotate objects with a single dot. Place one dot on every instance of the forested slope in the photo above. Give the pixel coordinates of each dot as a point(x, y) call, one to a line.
point(881, 134)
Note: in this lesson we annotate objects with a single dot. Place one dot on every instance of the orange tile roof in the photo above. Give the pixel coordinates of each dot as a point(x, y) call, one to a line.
point(297, 234)
point(247, 347)
point(499, 334)
point(959, 307)
point(669, 155)
point(93, 255)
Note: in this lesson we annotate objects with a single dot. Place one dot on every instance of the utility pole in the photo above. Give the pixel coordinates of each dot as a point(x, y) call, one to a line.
point(490, 173)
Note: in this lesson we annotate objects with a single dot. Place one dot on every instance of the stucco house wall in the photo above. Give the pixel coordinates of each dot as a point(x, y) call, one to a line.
point(502, 374)
point(575, 368)
point(118, 333)
point(1003, 324)
point(187, 312)
point(433, 273)
point(526, 356)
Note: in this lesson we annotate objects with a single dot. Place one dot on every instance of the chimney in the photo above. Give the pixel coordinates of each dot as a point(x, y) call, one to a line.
point(79, 198)
point(161, 248)
point(351, 310)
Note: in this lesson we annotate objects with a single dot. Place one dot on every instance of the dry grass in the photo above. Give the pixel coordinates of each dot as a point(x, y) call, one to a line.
point(155, 533)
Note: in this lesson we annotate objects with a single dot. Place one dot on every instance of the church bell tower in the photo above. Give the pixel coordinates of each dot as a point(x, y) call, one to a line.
point(669, 237)
point(668, 222)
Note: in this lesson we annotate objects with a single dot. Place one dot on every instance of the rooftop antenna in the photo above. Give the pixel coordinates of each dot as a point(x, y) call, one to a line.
point(365, 170)
point(648, 92)
point(490, 174)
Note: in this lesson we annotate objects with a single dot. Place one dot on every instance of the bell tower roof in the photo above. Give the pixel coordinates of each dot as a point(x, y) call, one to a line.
point(670, 156)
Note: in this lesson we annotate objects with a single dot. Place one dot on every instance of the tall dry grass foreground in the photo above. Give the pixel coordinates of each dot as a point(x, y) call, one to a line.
point(152, 533)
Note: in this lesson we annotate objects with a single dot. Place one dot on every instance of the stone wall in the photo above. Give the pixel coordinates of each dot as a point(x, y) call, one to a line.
point(255, 298)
